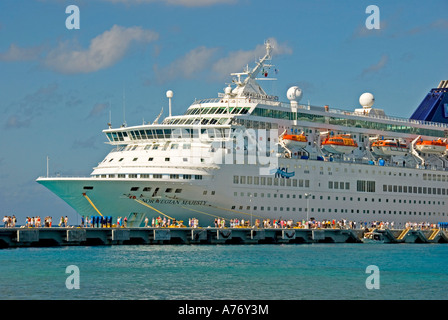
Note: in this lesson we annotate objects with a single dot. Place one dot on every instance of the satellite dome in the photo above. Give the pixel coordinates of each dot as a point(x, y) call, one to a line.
point(294, 94)
point(366, 99)
point(228, 90)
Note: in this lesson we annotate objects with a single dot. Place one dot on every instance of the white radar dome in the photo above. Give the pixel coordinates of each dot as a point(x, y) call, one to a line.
point(366, 99)
point(294, 94)
point(228, 90)
point(169, 94)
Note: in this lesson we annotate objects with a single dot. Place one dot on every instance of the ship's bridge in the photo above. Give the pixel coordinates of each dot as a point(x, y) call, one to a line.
point(151, 133)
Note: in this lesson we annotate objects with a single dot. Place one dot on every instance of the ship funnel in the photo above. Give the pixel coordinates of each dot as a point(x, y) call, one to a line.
point(434, 106)
point(443, 84)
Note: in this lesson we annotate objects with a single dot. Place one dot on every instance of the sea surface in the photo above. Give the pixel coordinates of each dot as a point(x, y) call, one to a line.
point(234, 272)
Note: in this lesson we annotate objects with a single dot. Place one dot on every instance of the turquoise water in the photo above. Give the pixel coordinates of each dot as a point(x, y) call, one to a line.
point(234, 272)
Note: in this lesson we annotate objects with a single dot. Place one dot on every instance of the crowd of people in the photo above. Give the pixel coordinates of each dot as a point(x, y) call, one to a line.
point(165, 222)
point(9, 221)
point(102, 222)
point(321, 224)
point(31, 222)
point(159, 222)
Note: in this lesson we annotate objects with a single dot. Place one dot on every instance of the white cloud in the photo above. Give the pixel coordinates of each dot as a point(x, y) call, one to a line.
point(362, 32)
point(377, 66)
point(104, 50)
point(203, 58)
point(98, 109)
point(187, 66)
point(32, 105)
point(16, 53)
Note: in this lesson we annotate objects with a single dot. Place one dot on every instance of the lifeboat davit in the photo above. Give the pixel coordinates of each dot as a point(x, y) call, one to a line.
point(389, 148)
point(295, 140)
point(431, 146)
point(339, 144)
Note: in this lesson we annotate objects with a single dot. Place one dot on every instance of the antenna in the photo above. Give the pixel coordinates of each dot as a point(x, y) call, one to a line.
point(157, 119)
point(124, 107)
point(110, 115)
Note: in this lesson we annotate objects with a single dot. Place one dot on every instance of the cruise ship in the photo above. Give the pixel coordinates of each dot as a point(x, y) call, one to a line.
point(247, 155)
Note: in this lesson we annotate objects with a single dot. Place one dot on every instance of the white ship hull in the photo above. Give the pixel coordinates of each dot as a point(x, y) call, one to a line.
point(201, 165)
point(333, 187)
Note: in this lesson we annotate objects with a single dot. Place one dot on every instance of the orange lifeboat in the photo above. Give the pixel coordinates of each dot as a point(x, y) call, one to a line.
point(431, 146)
point(339, 144)
point(389, 147)
point(295, 140)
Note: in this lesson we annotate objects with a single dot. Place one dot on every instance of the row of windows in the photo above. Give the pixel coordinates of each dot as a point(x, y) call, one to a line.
point(434, 177)
point(248, 195)
point(218, 110)
point(148, 189)
point(329, 210)
point(338, 185)
point(365, 186)
point(198, 120)
point(269, 181)
point(414, 189)
point(300, 116)
point(153, 176)
point(150, 159)
point(156, 190)
point(184, 133)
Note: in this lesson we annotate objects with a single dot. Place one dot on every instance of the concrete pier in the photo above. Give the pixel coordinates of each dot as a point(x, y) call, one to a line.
point(56, 236)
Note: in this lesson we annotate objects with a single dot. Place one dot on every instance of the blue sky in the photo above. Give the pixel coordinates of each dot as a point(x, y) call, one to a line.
point(58, 86)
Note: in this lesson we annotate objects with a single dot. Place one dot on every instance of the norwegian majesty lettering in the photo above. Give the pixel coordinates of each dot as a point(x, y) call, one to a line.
point(174, 201)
